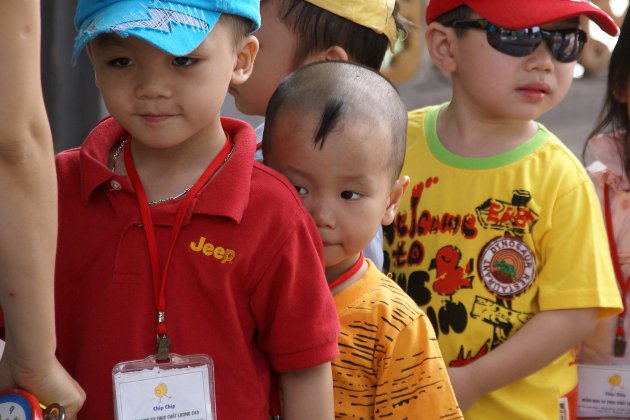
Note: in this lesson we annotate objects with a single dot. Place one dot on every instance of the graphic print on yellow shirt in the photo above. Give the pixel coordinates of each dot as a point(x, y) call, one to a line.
point(483, 244)
point(506, 265)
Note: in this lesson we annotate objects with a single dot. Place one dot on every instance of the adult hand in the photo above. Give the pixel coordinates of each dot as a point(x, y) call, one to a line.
point(50, 383)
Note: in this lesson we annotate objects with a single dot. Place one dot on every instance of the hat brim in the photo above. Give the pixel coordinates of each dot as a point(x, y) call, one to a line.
point(169, 27)
point(519, 14)
point(525, 14)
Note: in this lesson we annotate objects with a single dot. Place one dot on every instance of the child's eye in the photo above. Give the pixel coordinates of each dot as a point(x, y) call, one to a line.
point(184, 61)
point(121, 62)
point(350, 195)
point(301, 190)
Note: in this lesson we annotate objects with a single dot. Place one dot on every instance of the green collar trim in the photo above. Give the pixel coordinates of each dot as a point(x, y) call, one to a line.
point(447, 157)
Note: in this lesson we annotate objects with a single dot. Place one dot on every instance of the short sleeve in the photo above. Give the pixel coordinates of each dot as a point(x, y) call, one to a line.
point(293, 307)
point(414, 377)
point(577, 269)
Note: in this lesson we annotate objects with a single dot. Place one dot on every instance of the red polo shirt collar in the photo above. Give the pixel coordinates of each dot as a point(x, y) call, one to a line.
point(226, 195)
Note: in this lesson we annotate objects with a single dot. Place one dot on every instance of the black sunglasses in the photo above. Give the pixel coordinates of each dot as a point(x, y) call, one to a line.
point(565, 44)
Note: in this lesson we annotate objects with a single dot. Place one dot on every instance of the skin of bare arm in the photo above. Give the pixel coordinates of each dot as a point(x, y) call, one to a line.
point(308, 393)
point(28, 216)
point(541, 340)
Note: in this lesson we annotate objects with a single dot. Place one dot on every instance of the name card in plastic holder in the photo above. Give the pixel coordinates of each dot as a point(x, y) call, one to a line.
point(181, 388)
point(604, 391)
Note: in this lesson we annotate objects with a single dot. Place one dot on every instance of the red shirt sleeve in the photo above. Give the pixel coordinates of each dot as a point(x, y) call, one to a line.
point(298, 321)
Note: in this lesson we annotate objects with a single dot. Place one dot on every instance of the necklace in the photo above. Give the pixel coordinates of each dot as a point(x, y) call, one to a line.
point(174, 197)
point(115, 156)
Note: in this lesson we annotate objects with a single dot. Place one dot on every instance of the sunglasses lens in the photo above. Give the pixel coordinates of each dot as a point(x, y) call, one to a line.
point(565, 46)
point(517, 43)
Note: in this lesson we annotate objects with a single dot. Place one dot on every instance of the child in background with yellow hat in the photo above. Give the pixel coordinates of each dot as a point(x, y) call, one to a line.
point(299, 32)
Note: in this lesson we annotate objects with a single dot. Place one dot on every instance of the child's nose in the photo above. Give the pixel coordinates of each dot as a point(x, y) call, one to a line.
point(541, 59)
point(322, 214)
point(153, 83)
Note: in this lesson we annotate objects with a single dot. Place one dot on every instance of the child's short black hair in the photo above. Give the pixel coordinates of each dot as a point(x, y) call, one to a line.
point(336, 90)
point(240, 26)
point(318, 29)
point(462, 12)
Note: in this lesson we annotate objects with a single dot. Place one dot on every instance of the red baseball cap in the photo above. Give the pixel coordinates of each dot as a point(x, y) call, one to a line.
point(520, 14)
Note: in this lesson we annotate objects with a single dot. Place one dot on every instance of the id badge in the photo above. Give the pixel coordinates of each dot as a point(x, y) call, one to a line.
point(180, 388)
point(604, 391)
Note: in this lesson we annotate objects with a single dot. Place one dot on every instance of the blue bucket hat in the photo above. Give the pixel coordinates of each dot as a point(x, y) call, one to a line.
point(175, 26)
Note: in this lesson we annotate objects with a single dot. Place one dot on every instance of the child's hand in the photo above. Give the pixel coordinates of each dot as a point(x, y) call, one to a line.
point(49, 384)
point(464, 387)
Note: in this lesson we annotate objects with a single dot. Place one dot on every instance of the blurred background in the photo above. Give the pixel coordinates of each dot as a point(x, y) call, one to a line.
point(74, 105)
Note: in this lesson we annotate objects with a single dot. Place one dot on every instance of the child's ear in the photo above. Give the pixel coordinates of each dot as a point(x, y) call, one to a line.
point(334, 53)
point(393, 202)
point(245, 55)
point(440, 40)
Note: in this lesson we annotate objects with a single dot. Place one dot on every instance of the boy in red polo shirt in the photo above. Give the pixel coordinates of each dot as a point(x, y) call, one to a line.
point(160, 237)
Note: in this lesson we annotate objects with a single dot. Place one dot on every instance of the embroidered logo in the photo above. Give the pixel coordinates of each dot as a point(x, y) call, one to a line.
point(225, 255)
point(159, 17)
point(507, 266)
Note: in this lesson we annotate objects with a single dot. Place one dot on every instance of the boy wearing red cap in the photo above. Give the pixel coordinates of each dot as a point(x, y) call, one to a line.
point(499, 237)
point(167, 283)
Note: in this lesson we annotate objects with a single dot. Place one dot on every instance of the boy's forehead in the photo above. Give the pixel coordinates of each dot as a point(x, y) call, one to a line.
point(349, 137)
point(356, 131)
point(127, 43)
point(106, 40)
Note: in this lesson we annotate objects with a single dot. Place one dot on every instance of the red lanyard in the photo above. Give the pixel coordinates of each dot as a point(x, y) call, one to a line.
point(275, 382)
point(620, 333)
point(160, 275)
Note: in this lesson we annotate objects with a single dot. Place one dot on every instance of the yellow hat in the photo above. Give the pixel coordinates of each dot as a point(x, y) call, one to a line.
point(373, 14)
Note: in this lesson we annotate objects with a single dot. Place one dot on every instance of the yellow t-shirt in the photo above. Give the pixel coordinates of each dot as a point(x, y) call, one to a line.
point(483, 244)
point(389, 365)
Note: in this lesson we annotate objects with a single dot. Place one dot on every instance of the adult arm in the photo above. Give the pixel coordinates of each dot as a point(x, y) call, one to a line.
point(308, 393)
point(28, 215)
point(540, 341)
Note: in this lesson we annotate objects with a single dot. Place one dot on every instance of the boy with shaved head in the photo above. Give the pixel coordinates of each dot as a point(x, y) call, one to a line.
point(324, 126)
